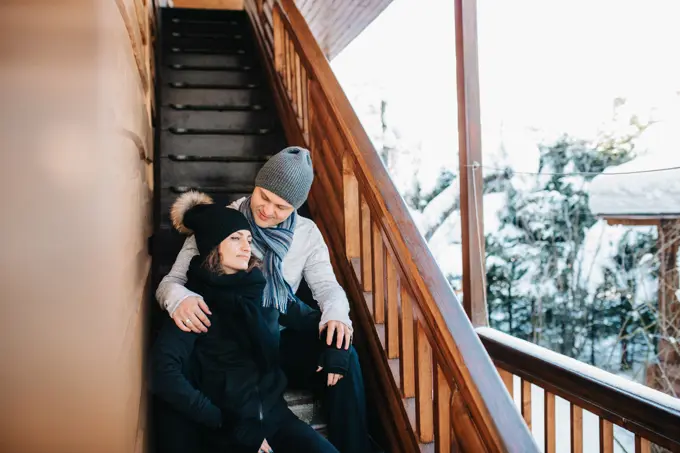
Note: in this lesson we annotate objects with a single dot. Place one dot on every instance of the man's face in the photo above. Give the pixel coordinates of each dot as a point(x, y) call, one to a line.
point(269, 209)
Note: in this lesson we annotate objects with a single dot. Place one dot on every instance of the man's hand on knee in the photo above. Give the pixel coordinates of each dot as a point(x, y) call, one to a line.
point(344, 334)
point(191, 315)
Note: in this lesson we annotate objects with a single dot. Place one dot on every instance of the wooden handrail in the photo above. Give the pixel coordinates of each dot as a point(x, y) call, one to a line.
point(442, 365)
point(648, 413)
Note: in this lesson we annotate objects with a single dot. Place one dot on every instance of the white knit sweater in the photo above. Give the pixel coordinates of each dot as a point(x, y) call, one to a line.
point(307, 257)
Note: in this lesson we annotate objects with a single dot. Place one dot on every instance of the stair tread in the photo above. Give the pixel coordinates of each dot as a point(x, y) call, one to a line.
point(221, 145)
point(246, 120)
point(197, 59)
point(213, 77)
point(207, 96)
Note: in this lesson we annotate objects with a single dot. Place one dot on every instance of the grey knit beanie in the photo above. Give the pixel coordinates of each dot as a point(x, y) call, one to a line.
point(288, 174)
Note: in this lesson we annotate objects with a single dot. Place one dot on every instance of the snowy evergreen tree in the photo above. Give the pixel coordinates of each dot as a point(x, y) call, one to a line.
point(534, 257)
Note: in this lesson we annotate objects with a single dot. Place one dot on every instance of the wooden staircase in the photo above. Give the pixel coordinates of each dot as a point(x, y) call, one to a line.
point(217, 126)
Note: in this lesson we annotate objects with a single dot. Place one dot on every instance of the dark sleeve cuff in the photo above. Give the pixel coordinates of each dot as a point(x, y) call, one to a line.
point(334, 360)
point(212, 416)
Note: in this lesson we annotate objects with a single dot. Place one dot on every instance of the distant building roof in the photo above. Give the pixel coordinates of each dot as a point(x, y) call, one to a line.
point(642, 194)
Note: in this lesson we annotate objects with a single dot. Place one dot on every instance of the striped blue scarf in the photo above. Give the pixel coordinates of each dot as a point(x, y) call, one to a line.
point(273, 243)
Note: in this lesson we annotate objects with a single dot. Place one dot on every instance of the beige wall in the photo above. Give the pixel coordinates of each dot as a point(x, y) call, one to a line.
point(75, 217)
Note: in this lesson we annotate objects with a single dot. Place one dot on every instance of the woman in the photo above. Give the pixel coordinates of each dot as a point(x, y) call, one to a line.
point(229, 379)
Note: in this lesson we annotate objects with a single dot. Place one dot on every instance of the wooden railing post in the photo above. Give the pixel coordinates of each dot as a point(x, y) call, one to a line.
point(470, 155)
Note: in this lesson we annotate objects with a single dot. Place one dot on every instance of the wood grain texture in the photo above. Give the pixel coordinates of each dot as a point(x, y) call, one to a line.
point(366, 247)
point(392, 327)
point(606, 436)
point(424, 386)
point(378, 276)
point(576, 429)
point(443, 429)
point(526, 402)
point(407, 344)
point(549, 421)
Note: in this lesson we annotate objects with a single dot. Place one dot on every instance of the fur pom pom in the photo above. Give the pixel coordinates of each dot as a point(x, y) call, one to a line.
point(183, 203)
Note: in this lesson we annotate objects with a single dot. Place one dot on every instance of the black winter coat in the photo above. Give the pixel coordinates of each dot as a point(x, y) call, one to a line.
point(228, 379)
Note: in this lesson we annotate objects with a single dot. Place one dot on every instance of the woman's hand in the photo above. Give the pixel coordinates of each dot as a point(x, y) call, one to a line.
point(333, 378)
point(265, 448)
point(191, 315)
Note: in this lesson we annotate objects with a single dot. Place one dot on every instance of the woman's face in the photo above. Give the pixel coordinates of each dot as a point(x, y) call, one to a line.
point(235, 251)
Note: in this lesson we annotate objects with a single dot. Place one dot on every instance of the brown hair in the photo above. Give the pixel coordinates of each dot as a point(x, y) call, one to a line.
point(213, 262)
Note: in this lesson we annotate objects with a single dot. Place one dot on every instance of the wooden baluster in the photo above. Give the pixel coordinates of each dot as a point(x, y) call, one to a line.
point(606, 436)
point(443, 409)
point(278, 41)
point(298, 89)
point(576, 429)
point(286, 63)
point(424, 375)
point(366, 247)
point(290, 68)
point(305, 102)
point(351, 206)
point(392, 327)
point(284, 76)
point(293, 80)
point(526, 402)
point(549, 419)
point(378, 276)
point(407, 343)
point(507, 378)
point(642, 445)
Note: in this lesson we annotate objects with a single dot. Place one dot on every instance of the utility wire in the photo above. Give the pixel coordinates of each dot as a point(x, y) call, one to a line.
point(476, 165)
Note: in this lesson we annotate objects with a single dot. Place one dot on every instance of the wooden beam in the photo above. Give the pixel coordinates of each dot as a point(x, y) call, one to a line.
point(470, 157)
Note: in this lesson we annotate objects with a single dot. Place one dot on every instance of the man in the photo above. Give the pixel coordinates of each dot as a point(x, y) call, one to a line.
point(291, 248)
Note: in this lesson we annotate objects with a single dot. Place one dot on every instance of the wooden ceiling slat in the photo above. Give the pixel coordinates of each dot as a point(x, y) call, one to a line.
point(349, 11)
point(342, 39)
point(335, 23)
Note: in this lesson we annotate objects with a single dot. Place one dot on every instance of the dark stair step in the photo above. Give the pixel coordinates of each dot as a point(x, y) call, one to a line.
point(204, 26)
point(224, 34)
point(203, 60)
point(221, 145)
point(234, 77)
point(216, 158)
point(209, 67)
point(221, 15)
point(212, 86)
point(211, 120)
point(210, 96)
point(208, 173)
point(176, 50)
point(212, 44)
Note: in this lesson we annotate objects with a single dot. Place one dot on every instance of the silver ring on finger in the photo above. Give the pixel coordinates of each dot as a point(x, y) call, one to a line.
point(187, 321)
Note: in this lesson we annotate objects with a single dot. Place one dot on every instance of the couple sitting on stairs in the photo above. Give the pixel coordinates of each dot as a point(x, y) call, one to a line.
point(219, 371)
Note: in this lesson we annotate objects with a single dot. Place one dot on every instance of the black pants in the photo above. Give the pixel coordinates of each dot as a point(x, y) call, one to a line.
point(176, 433)
point(296, 436)
point(345, 402)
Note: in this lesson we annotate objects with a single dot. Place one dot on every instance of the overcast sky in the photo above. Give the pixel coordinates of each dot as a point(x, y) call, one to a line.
point(546, 67)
